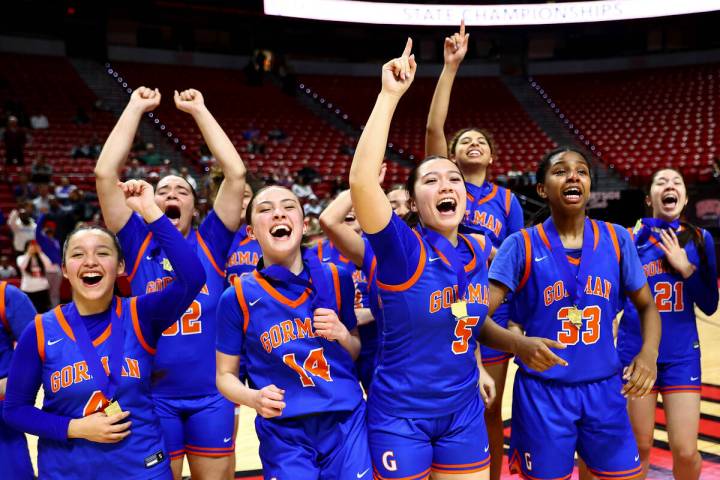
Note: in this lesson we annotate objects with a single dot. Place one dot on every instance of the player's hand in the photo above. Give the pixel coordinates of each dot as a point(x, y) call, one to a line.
point(269, 401)
point(189, 101)
point(535, 353)
point(455, 47)
point(140, 198)
point(398, 73)
point(327, 324)
point(100, 428)
point(145, 99)
point(640, 375)
point(675, 254)
point(487, 387)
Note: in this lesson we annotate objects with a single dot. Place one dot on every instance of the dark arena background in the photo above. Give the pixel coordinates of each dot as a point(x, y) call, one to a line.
point(635, 91)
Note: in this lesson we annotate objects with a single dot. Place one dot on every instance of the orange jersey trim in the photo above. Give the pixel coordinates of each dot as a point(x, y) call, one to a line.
point(418, 271)
point(336, 284)
point(141, 253)
point(40, 334)
point(205, 249)
point(596, 234)
point(136, 327)
point(3, 312)
point(528, 258)
point(573, 261)
point(279, 296)
point(373, 267)
point(508, 200)
point(417, 476)
point(483, 463)
point(487, 197)
point(63, 323)
point(241, 301)
point(613, 237)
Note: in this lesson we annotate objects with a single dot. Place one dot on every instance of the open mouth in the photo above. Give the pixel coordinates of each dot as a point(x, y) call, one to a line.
point(172, 212)
point(349, 218)
point(91, 278)
point(474, 152)
point(572, 193)
point(670, 199)
point(280, 231)
point(447, 205)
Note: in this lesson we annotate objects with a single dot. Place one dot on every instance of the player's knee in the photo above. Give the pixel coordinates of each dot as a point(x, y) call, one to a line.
point(685, 454)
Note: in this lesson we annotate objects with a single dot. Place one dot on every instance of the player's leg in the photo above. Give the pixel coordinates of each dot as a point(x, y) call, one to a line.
point(210, 443)
point(169, 413)
point(461, 450)
point(605, 436)
point(493, 417)
point(642, 419)
point(399, 447)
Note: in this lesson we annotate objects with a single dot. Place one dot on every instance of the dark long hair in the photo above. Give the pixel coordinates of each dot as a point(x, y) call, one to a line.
point(452, 145)
point(542, 169)
point(82, 228)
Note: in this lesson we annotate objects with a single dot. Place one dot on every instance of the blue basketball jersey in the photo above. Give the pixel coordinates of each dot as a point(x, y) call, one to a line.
point(492, 210)
point(525, 264)
point(71, 392)
point(426, 363)
point(244, 255)
point(16, 311)
point(272, 327)
point(185, 363)
point(675, 299)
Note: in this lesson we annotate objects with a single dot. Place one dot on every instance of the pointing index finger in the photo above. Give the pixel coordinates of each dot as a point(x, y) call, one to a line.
point(408, 47)
point(462, 27)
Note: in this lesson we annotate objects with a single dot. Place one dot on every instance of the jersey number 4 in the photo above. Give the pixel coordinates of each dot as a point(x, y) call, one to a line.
point(315, 364)
point(663, 297)
point(570, 334)
point(189, 323)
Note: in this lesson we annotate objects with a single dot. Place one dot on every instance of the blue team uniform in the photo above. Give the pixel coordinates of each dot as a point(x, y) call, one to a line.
point(244, 255)
point(675, 298)
point(70, 392)
point(424, 409)
point(496, 212)
point(16, 312)
point(365, 363)
point(578, 407)
point(321, 432)
point(194, 417)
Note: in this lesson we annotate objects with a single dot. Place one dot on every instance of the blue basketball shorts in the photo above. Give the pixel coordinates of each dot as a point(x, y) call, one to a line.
point(328, 446)
point(14, 454)
point(412, 448)
point(551, 421)
point(491, 356)
point(201, 426)
point(678, 376)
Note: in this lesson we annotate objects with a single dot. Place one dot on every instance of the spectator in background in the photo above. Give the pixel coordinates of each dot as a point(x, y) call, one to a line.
point(135, 170)
point(39, 121)
point(50, 246)
point(185, 174)
point(40, 171)
point(22, 226)
point(24, 189)
point(313, 208)
point(81, 117)
point(15, 139)
point(151, 157)
point(41, 203)
point(302, 190)
point(7, 270)
point(153, 178)
point(276, 134)
point(33, 266)
point(308, 174)
point(251, 133)
point(62, 191)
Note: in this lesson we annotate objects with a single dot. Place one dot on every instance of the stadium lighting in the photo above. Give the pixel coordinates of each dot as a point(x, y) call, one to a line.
point(484, 15)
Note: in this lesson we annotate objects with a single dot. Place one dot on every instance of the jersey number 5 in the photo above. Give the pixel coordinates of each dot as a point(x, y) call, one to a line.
point(463, 331)
point(315, 364)
point(189, 323)
point(570, 334)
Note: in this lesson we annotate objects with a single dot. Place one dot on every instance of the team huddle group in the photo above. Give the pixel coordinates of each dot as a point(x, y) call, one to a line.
point(380, 352)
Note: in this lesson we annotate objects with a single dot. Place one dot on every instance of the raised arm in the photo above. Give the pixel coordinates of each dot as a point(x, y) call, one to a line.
point(114, 154)
point(454, 52)
point(227, 203)
point(372, 207)
point(332, 221)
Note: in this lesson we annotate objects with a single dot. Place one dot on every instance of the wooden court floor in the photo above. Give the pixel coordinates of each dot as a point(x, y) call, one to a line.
point(248, 463)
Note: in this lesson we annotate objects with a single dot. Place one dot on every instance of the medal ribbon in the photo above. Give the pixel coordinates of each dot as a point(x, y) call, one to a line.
point(649, 223)
point(574, 285)
point(322, 293)
point(107, 384)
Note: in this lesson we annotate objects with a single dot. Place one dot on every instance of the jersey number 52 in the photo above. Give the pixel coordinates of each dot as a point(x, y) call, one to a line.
point(189, 323)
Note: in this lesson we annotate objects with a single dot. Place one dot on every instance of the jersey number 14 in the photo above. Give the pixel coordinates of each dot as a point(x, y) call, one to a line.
point(315, 365)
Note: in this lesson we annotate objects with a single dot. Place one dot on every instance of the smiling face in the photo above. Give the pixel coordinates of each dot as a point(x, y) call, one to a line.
point(399, 201)
point(91, 264)
point(668, 195)
point(175, 198)
point(566, 185)
point(277, 223)
point(439, 195)
point(352, 222)
point(472, 151)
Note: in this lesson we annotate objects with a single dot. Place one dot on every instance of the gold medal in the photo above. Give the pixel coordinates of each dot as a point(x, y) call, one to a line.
point(166, 265)
point(459, 309)
point(575, 317)
point(112, 409)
